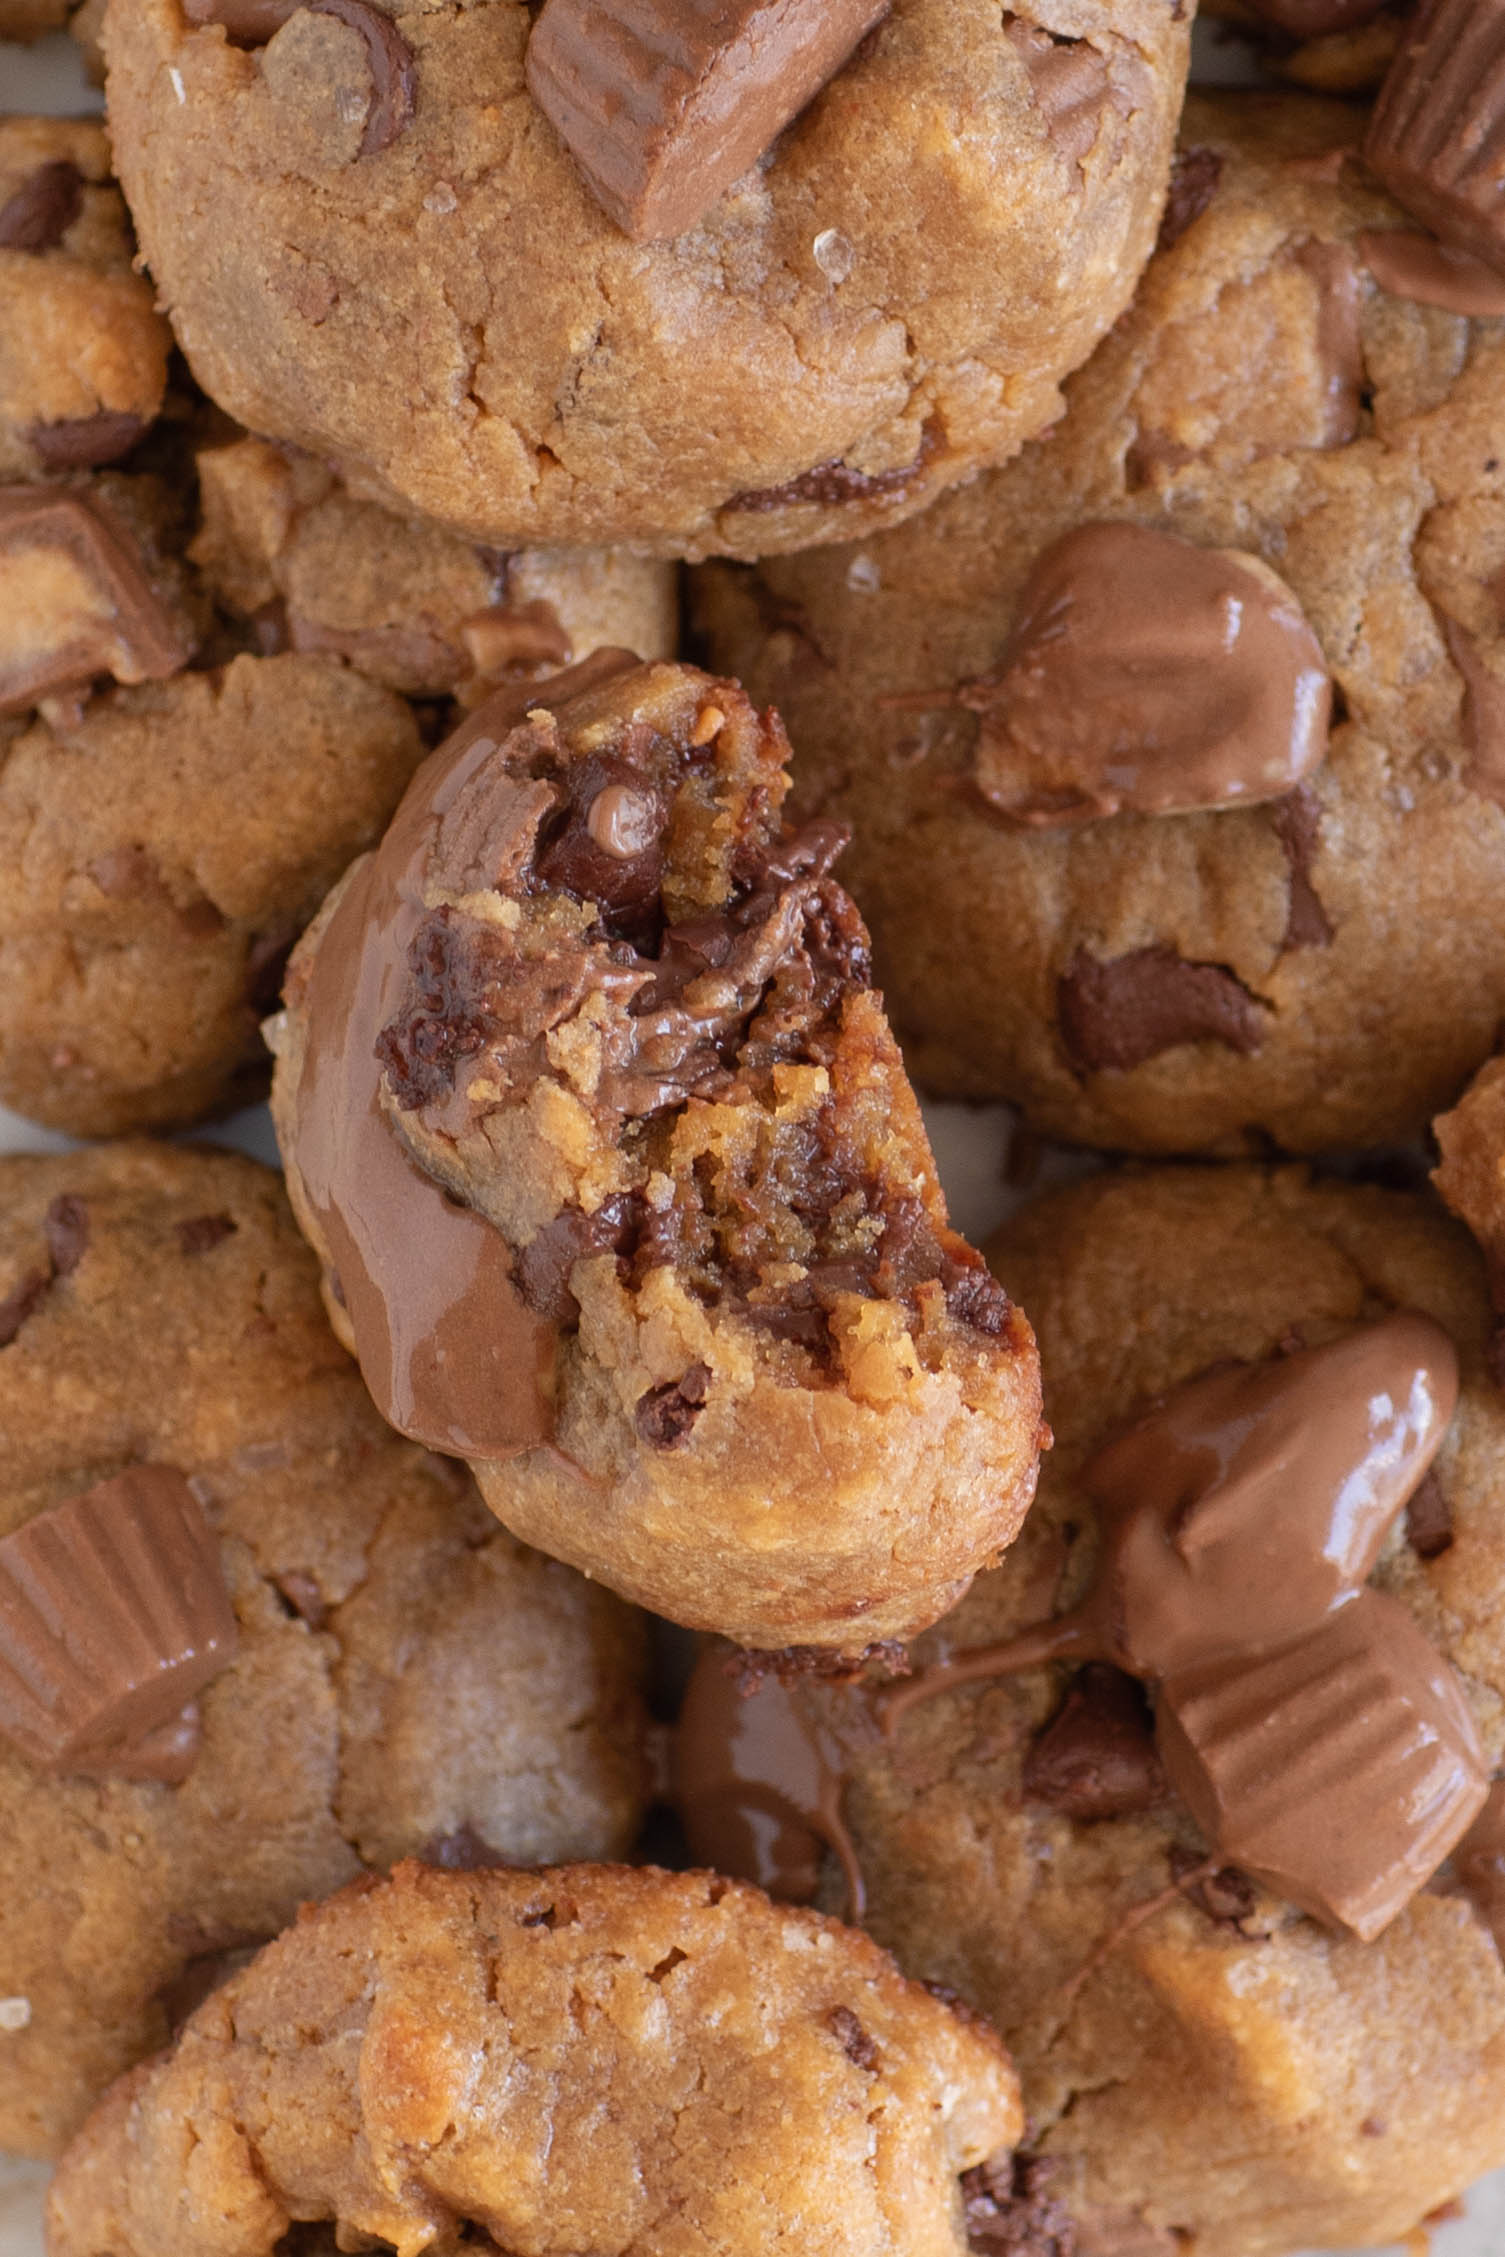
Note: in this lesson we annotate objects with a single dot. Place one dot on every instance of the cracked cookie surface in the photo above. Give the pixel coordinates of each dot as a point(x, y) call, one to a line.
point(591, 1110)
point(590, 2058)
point(408, 1679)
point(1206, 2067)
point(1322, 971)
point(887, 301)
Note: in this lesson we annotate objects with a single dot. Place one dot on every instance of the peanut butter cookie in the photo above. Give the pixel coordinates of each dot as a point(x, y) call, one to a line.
point(1192, 1794)
point(589, 2058)
point(250, 1641)
point(591, 1111)
point(380, 234)
point(1109, 875)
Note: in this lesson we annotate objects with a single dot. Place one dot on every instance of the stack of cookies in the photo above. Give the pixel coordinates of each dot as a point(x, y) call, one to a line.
point(601, 595)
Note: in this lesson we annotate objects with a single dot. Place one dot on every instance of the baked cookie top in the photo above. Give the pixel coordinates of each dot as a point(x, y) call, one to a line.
point(587, 2058)
point(885, 301)
point(1301, 387)
point(275, 1644)
point(1247, 1373)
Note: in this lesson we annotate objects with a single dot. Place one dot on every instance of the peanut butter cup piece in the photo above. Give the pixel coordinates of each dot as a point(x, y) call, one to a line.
point(1437, 136)
point(76, 600)
point(1340, 1770)
point(664, 103)
point(113, 1615)
point(1150, 676)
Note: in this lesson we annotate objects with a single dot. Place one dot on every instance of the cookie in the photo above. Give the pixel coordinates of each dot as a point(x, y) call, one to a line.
point(205, 669)
point(588, 2058)
point(83, 352)
point(1291, 402)
point(286, 1645)
point(590, 1109)
point(405, 602)
point(887, 299)
point(1262, 1585)
point(1325, 46)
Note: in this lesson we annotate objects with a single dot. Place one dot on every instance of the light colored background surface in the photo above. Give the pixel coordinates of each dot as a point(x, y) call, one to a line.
point(970, 1147)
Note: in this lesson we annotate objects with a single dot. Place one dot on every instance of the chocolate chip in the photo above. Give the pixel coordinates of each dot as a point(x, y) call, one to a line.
point(1429, 1520)
point(84, 442)
point(545, 1263)
point(1297, 821)
point(829, 484)
point(1227, 1897)
point(852, 2037)
point(619, 865)
point(198, 1233)
point(393, 67)
point(1195, 174)
point(38, 214)
point(1069, 82)
point(1096, 1758)
point(1010, 2211)
point(664, 106)
point(1434, 133)
point(66, 1230)
point(666, 1415)
point(463, 1850)
point(1116, 1014)
point(199, 1977)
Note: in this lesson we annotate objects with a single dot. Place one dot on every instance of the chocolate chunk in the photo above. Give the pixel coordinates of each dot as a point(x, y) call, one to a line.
point(393, 68)
point(1069, 81)
point(1297, 821)
point(1010, 2211)
point(38, 214)
point(829, 484)
point(461, 1850)
point(1117, 1014)
point(666, 1415)
point(1412, 264)
point(1429, 1520)
point(664, 103)
point(85, 442)
point(1436, 133)
point(197, 1234)
point(75, 599)
point(1195, 174)
point(468, 988)
point(852, 2038)
point(1150, 676)
point(1096, 1758)
point(1340, 344)
point(1339, 1770)
point(545, 1263)
point(113, 1615)
point(606, 845)
point(66, 1229)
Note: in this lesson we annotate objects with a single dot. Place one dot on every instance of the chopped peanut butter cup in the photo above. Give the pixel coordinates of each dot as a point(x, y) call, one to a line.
point(1437, 137)
point(113, 1615)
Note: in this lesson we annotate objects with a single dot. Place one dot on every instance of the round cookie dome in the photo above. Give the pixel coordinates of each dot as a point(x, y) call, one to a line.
point(397, 1675)
point(1320, 969)
point(1204, 2064)
point(583, 2058)
point(887, 301)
